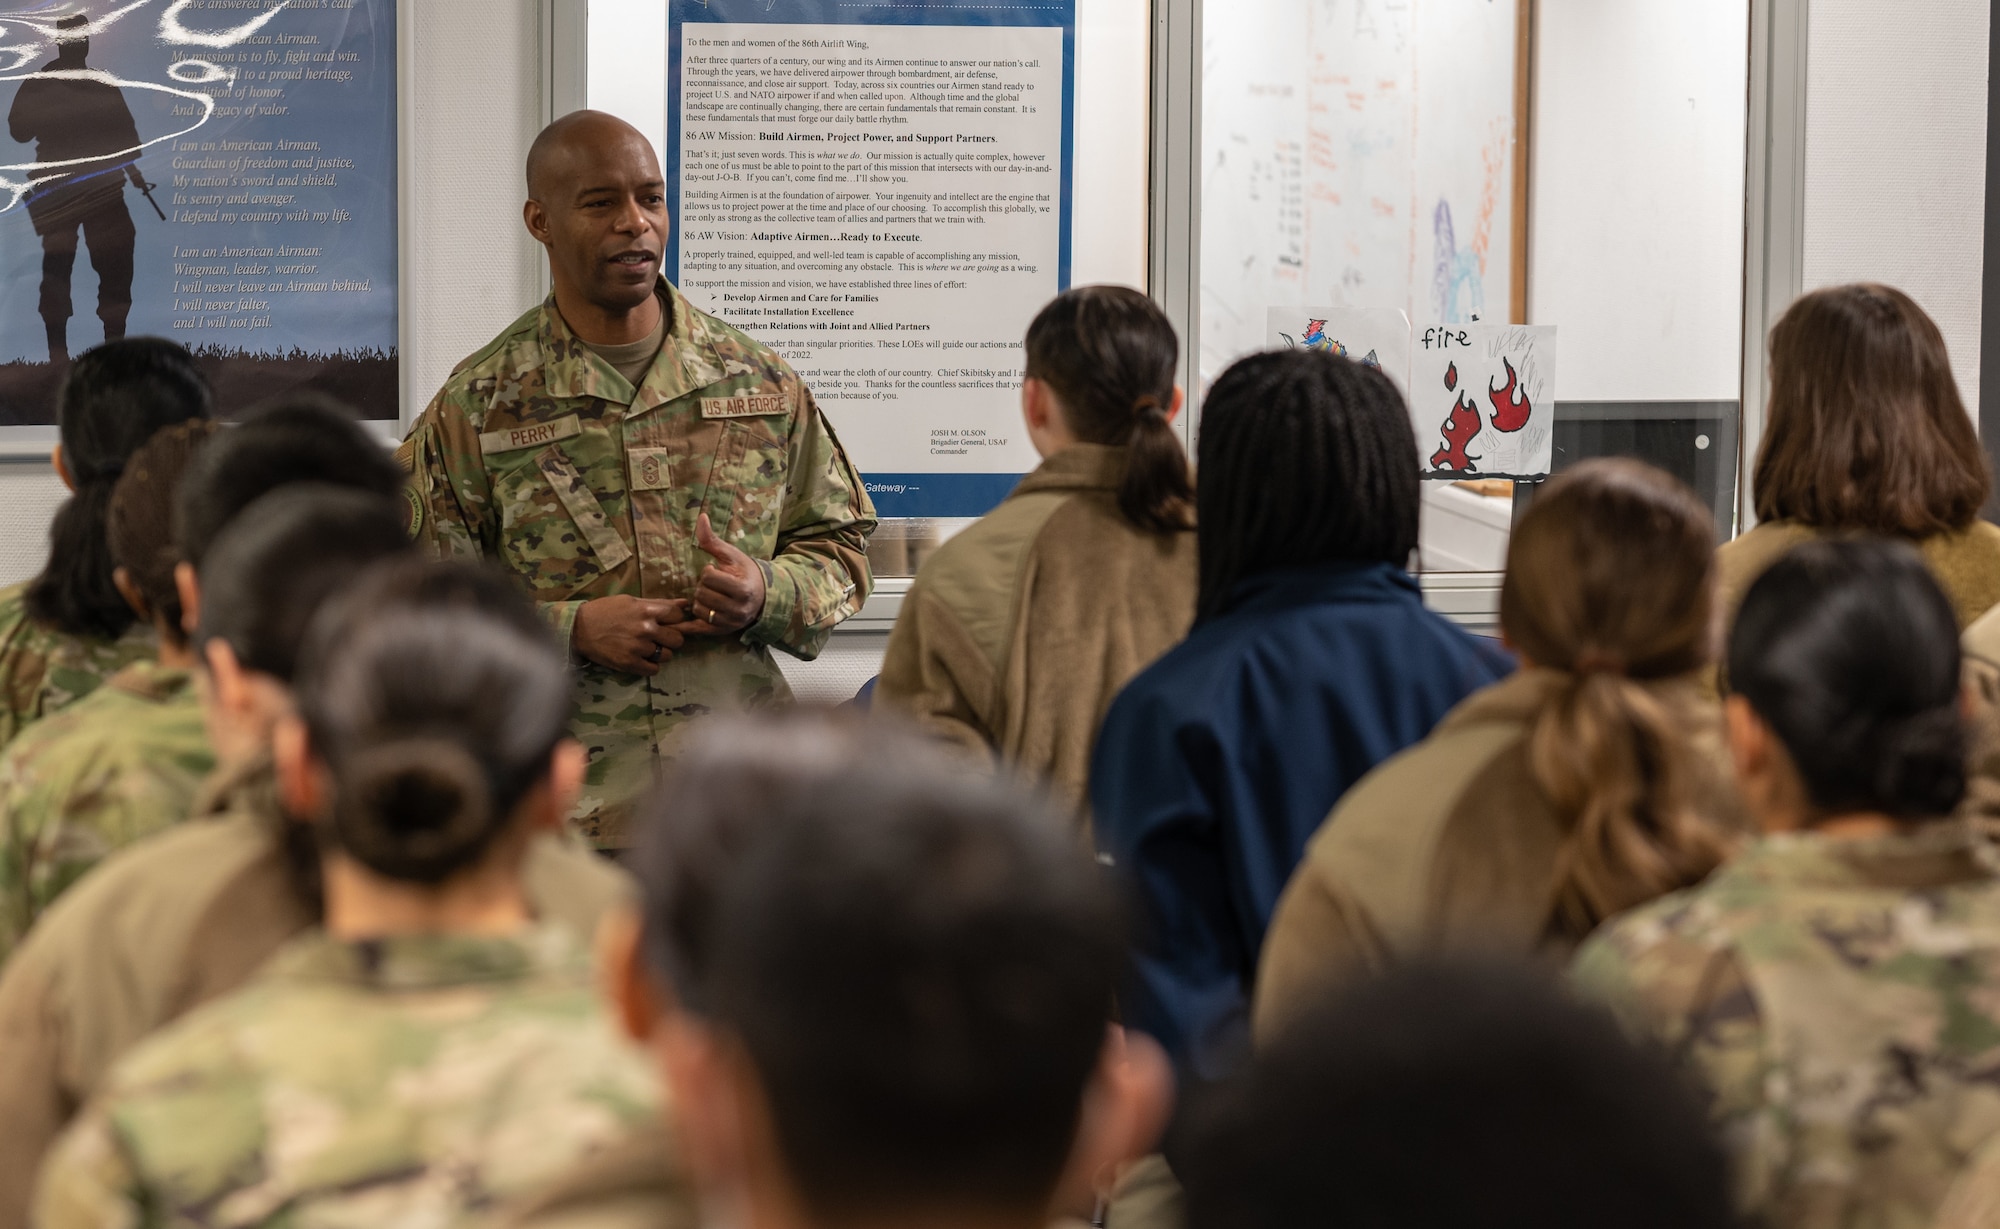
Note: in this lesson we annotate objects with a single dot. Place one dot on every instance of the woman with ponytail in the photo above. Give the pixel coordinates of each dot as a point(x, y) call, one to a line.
point(1590, 782)
point(438, 1048)
point(1020, 630)
point(69, 629)
point(1836, 986)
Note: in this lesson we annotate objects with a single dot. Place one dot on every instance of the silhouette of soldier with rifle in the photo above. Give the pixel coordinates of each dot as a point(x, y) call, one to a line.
point(84, 129)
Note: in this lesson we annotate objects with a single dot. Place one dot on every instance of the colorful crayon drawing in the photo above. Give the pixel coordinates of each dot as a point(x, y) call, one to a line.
point(1377, 337)
point(1316, 339)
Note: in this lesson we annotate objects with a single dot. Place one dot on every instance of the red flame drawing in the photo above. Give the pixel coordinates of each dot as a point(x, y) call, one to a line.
point(1451, 376)
point(1509, 414)
point(1458, 431)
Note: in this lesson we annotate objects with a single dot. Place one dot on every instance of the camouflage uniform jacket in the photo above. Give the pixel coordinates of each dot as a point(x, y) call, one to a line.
point(536, 453)
point(43, 670)
point(118, 764)
point(184, 918)
point(636, 1183)
point(408, 1081)
point(1840, 1001)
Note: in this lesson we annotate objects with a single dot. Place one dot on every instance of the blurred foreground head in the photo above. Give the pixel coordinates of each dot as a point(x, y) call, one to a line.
point(303, 437)
point(882, 989)
point(1453, 1097)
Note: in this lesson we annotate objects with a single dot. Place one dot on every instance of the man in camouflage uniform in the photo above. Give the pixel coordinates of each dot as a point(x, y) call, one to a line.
point(125, 761)
point(397, 1081)
point(1840, 1000)
point(663, 485)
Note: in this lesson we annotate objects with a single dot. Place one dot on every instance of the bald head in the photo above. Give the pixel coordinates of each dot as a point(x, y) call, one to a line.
point(597, 202)
point(566, 150)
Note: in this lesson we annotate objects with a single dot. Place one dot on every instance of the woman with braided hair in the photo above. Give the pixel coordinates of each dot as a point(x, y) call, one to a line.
point(1020, 630)
point(1312, 659)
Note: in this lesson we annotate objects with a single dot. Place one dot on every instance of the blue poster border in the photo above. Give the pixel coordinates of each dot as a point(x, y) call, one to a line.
point(895, 495)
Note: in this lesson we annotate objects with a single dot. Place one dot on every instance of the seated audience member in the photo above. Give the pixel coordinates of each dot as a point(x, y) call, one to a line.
point(1865, 433)
point(188, 914)
point(436, 1049)
point(1981, 648)
point(1312, 660)
point(69, 629)
point(1020, 630)
point(876, 998)
point(1452, 1097)
point(1836, 986)
point(126, 759)
point(1592, 781)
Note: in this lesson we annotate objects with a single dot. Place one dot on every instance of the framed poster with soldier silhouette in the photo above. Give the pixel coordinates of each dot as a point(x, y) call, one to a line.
point(222, 175)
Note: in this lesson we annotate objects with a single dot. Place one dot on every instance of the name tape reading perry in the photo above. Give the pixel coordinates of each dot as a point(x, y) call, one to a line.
point(530, 436)
point(743, 405)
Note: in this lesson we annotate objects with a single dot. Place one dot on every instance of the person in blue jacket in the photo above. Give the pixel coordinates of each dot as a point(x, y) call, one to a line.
point(1312, 660)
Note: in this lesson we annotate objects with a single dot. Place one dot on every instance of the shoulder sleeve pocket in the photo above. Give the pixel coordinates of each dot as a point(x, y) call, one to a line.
point(555, 534)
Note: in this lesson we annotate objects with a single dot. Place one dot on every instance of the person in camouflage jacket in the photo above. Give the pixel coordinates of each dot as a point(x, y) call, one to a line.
point(127, 759)
point(63, 633)
point(44, 670)
point(1835, 986)
point(408, 1081)
point(676, 519)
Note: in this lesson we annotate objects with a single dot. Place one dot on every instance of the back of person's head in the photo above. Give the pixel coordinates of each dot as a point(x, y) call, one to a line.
point(917, 963)
point(1864, 429)
point(435, 696)
point(1452, 1097)
point(1305, 458)
point(271, 570)
point(1108, 353)
point(140, 520)
point(306, 437)
point(1610, 576)
point(114, 399)
point(1848, 650)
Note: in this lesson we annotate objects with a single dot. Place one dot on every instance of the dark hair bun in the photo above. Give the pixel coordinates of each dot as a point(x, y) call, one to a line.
point(413, 807)
point(1849, 650)
point(1920, 768)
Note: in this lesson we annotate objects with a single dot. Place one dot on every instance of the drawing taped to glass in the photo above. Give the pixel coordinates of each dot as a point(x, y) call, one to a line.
point(1483, 400)
point(261, 149)
point(1377, 337)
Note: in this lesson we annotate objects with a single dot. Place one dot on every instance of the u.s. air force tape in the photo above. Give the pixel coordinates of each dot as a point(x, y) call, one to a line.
point(529, 435)
point(743, 405)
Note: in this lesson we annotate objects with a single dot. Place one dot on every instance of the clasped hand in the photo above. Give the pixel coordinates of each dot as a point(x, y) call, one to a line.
point(634, 635)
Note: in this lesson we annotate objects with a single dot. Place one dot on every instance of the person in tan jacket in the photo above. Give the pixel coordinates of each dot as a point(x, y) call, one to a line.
point(1590, 782)
point(1866, 434)
point(1019, 631)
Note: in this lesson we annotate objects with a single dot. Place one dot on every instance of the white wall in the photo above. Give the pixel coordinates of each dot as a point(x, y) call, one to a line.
point(30, 492)
point(1635, 247)
point(627, 64)
point(1896, 158)
point(475, 103)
